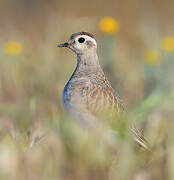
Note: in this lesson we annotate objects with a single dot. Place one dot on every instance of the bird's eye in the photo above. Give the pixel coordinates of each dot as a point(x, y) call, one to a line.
point(81, 40)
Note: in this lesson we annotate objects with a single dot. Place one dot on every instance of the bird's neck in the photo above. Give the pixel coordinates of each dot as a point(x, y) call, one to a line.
point(87, 62)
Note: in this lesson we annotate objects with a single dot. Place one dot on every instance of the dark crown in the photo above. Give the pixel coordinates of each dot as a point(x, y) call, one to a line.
point(81, 33)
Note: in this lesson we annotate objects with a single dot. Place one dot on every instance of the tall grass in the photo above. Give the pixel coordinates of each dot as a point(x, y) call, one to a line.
point(39, 140)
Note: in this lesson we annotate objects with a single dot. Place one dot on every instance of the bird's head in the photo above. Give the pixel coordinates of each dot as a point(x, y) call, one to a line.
point(81, 43)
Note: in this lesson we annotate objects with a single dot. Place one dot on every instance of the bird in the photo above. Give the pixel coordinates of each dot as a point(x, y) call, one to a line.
point(88, 94)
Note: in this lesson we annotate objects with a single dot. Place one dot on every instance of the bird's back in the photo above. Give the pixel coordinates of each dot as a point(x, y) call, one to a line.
point(100, 96)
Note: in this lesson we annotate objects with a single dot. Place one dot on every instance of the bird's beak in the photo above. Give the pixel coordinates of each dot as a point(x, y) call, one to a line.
point(63, 45)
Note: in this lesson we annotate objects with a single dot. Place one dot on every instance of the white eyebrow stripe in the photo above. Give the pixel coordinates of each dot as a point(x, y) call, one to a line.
point(88, 38)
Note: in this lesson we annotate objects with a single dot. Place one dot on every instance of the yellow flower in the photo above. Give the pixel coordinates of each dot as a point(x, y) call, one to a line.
point(109, 25)
point(13, 48)
point(152, 57)
point(167, 44)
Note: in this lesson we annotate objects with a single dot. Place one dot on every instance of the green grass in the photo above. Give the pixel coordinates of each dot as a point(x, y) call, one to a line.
point(39, 140)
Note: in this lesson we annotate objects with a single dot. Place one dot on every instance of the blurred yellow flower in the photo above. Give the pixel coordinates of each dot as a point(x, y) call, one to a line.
point(152, 57)
point(13, 48)
point(109, 25)
point(167, 44)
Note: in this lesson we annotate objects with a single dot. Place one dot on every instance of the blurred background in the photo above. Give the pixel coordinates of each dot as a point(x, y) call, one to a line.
point(38, 140)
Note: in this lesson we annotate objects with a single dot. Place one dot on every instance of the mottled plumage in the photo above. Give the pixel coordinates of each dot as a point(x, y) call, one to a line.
point(88, 93)
point(93, 89)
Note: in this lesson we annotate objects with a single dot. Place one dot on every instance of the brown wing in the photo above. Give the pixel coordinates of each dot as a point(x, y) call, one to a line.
point(100, 95)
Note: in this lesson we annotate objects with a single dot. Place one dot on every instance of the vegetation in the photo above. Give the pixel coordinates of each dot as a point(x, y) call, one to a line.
point(38, 139)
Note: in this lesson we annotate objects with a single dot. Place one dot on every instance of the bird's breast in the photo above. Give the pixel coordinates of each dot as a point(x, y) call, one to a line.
point(72, 97)
point(67, 97)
